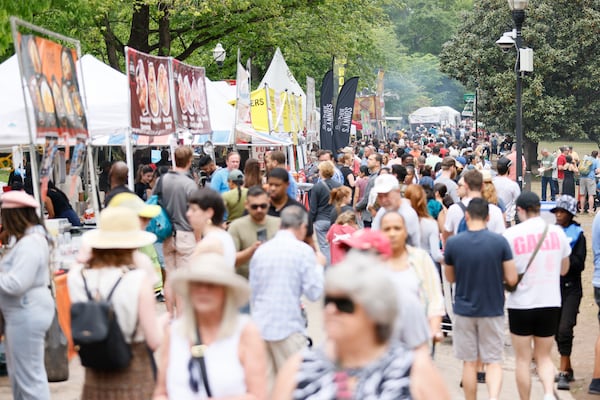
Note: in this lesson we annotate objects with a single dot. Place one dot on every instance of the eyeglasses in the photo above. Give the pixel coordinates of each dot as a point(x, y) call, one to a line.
point(263, 206)
point(343, 304)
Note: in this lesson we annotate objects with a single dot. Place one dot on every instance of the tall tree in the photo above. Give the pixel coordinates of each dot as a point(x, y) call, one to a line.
point(561, 98)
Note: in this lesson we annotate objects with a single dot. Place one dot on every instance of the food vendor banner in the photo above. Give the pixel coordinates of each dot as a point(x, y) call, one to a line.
point(149, 94)
point(190, 98)
point(326, 129)
point(48, 69)
point(343, 114)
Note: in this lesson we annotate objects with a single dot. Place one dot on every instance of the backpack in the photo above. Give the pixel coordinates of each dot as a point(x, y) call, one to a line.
point(585, 167)
point(96, 333)
point(462, 226)
point(160, 225)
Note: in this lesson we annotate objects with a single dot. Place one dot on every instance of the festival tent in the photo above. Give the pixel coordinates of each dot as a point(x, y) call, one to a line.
point(435, 116)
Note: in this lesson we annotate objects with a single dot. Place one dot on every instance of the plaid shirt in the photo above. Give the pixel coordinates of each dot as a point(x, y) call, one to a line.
point(281, 271)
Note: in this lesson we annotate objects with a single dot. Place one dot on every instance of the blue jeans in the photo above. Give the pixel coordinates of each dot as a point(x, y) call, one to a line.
point(547, 180)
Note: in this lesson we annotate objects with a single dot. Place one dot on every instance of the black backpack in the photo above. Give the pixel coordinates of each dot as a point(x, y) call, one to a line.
point(96, 333)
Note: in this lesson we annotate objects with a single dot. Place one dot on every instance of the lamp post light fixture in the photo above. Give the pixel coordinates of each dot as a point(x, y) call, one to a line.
point(219, 55)
point(507, 41)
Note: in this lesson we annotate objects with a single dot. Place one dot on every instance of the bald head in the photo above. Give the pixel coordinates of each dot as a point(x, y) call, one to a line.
point(118, 174)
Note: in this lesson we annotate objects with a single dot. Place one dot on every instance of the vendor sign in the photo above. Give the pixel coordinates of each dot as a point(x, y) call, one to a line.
point(190, 98)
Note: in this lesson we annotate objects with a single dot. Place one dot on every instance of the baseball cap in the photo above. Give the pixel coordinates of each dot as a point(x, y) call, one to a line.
point(567, 203)
point(528, 200)
point(503, 161)
point(369, 239)
point(236, 175)
point(385, 183)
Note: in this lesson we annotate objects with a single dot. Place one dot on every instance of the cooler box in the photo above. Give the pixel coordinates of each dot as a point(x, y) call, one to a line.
point(545, 213)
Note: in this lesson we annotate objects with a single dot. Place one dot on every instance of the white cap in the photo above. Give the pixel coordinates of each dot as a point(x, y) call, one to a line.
point(386, 183)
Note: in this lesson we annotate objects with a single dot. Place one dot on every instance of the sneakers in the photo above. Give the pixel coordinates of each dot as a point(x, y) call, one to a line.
point(568, 373)
point(481, 377)
point(594, 386)
point(563, 381)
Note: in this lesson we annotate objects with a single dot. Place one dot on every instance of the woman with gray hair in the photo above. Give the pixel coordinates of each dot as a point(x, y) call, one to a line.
point(358, 360)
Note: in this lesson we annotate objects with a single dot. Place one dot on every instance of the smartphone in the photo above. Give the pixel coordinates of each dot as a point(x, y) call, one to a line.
point(261, 235)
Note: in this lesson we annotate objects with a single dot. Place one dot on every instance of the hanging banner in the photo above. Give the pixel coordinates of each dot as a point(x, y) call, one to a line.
point(343, 114)
point(380, 93)
point(150, 94)
point(190, 98)
point(365, 104)
point(51, 78)
point(326, 130)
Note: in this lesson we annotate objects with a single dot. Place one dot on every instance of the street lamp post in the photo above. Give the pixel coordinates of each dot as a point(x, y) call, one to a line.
point(219, 54)
point(518, 14)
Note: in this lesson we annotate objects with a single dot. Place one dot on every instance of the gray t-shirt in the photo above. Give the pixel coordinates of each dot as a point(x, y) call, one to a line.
point(176, 189)
point(411, 221)
point(451, 186)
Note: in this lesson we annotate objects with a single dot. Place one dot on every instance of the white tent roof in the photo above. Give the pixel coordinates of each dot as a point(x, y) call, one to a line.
point(435, 115)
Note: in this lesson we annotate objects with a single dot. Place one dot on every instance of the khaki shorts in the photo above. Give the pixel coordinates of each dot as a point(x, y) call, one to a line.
point(178, 249)
point(478, 338)
point(587, 186)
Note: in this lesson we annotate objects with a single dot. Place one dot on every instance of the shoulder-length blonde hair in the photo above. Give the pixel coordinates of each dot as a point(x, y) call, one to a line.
point(418, 200)
point(326, 169)
point(488, 192)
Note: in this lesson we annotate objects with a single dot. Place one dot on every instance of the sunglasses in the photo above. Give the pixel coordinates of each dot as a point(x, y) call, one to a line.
point(264, 206)
point(343, 304)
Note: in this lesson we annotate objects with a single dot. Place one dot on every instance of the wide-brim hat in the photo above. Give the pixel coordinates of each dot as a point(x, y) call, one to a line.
point(211, 268)
point(132, 201)
point(119, 228)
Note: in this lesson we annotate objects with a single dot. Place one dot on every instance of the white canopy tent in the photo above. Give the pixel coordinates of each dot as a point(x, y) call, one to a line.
point(435, 116)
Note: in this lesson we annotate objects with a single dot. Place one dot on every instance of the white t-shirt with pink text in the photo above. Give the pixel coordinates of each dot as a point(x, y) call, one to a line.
point(540, 286)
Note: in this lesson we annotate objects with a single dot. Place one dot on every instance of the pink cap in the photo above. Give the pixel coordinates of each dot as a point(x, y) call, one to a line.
point(18, 199)
point(369, 239)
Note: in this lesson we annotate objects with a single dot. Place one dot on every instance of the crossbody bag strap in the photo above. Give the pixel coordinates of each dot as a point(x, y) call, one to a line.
point(535, 251)
point(198, 351)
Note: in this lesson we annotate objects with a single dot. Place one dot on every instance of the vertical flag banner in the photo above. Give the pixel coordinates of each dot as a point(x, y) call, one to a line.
point(326, 129)
point(380, 103)
point(51, 78)
point(243, 116)
point(150, 94)
point(311, 117)
point(343, 114)
point(190, 100)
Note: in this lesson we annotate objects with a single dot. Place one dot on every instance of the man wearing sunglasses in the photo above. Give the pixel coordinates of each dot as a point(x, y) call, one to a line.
point(250, 231)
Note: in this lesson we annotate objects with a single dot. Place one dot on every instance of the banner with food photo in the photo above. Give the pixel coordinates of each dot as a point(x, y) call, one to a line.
point(51, 78)
point(190, 98)
point(149, 93)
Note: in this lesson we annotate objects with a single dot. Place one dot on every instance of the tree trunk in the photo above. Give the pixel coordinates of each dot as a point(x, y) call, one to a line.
point(164, 32)
point(140, 27)
point(530, 150)
point(113, 47)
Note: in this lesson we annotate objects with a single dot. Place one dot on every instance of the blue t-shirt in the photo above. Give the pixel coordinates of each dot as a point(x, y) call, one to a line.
point(596, 250)
point(593, 168)
point(477, 257)
point(220, 180)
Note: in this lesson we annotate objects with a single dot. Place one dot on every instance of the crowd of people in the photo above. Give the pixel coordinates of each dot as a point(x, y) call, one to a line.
point(389, 232)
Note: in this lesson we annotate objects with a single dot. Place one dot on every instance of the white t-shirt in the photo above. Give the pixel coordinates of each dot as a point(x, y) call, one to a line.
point(540, 286)
point(226, 241)
point(455, 214)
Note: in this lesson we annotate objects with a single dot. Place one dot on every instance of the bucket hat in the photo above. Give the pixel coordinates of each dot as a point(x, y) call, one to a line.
point(211, 268)
point(132, 201)
point(18, 199)
point(567, 203)
point(119, 229)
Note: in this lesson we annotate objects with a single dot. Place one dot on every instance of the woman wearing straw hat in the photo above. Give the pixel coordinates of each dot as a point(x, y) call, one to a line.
point(113, 245)
point(232, 362)
point(25, 300)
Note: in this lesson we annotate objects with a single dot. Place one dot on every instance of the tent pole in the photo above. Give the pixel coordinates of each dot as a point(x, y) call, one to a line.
point(129, 159)
point(94, 186)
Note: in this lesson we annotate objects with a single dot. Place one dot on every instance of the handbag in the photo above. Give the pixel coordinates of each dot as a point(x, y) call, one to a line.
point(96, 333)
point(56, 346)
point(56, 359)
point(160, 225)
point(512, 288)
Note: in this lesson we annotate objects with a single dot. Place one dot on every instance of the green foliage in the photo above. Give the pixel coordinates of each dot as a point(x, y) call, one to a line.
point(561, 97)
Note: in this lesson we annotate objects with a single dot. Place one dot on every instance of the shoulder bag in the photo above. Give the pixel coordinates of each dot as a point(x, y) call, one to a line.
point(160, 225)
point(197, 362)
point(512, 288)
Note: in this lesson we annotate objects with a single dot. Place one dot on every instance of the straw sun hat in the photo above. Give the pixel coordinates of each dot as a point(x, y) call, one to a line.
point(119, 229)
point(211, 268)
